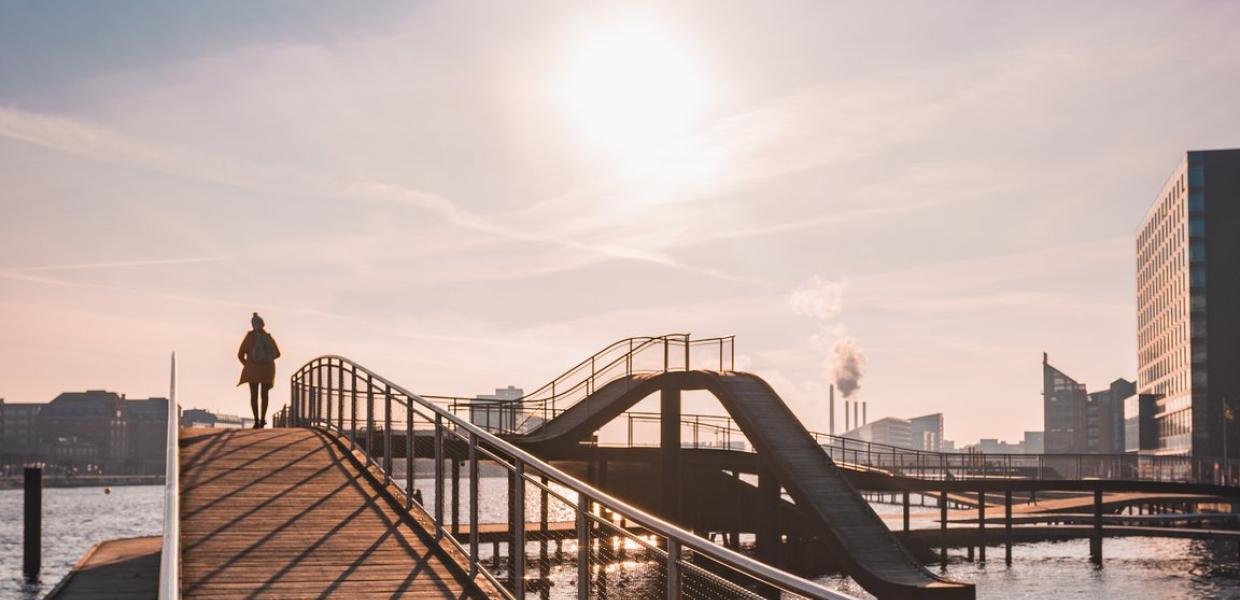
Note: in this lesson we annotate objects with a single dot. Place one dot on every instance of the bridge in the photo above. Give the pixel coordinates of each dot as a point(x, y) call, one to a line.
point(364, 485)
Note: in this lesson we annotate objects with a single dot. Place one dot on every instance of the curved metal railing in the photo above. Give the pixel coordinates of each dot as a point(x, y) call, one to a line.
point(637, 554)
point(720, 431)
point(623, 358)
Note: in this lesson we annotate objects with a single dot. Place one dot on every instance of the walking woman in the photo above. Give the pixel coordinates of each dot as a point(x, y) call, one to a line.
point(258, 354)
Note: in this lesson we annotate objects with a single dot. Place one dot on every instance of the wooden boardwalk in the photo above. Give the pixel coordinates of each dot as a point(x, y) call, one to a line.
point(115, 569)
point(288, 513)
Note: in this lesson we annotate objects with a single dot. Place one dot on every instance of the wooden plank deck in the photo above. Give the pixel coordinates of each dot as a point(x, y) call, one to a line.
point(116, 569)
point(288, 513)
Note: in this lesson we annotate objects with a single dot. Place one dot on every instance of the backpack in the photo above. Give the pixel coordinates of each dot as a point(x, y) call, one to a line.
point(263, 351)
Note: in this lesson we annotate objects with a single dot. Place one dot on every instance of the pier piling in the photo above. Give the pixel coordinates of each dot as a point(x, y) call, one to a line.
point(32, 549)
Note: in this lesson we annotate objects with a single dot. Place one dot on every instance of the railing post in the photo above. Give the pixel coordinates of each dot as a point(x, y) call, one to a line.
point(517, 550)
point(340, 405)
point(665, 353)
point(387, 432)
point(720, 355)
point(686, 352)
point(583, 547)
point(410, 452)
point(438, 476)
point(353, 410)
point(370, 414)
point(1095, 540)
point(473, 505)
point(327, 423)
point(292, 401)
point(673, 568)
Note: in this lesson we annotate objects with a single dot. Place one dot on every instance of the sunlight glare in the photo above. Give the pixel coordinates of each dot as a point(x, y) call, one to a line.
point(632, 88)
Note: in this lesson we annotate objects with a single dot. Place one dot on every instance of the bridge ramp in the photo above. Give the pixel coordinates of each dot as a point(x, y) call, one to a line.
point(873, 554)
point(288, 513)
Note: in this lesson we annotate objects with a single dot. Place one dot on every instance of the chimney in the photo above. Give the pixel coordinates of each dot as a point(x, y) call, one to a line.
point(847, 422)
point(864, 417)
point(831, 410)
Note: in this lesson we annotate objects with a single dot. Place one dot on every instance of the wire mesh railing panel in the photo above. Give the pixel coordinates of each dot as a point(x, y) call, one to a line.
point(524, 526)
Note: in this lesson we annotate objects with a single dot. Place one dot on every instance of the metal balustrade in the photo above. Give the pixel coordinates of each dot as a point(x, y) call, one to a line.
point(719, 431)
point(483, 491)
point(630, 356)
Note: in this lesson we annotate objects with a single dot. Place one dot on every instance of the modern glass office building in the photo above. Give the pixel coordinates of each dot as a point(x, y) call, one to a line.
point(1188, 304)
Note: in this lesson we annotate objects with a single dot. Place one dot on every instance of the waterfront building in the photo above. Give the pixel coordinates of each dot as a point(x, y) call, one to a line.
point(927, 432)
point(498, 411)
point(1034, 442)
point(197, 417)
point(1188, 303)
point(1063, 410)
point(1078, 422)
point(1140, 430)
point(888, 430)
point(19, 435)
point(84, 427)
point(148, 439)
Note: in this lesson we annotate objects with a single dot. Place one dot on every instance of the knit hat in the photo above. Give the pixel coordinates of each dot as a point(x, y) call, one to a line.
point(256, 321)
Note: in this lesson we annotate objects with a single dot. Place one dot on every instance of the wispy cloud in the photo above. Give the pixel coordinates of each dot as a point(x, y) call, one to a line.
point(116, 264)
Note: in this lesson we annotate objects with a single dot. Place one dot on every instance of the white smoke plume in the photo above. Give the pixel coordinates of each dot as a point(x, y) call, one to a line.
point(817, 298)
point(847, 361)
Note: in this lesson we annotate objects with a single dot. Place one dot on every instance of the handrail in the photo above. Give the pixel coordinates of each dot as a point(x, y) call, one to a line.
point(319, 397)
point(616, 360)
point(170, 553)
point(928, 464)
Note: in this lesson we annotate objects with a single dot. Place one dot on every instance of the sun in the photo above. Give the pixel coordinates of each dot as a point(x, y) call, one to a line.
point(632, 87)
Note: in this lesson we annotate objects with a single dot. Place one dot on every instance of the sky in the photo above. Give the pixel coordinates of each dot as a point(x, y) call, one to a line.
point(467, 195)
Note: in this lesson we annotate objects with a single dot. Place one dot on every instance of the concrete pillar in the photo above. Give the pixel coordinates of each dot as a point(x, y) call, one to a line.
point(669, 444)
point(767, 529)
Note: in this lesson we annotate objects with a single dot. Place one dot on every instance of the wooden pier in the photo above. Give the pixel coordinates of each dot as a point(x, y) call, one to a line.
point(289, 513)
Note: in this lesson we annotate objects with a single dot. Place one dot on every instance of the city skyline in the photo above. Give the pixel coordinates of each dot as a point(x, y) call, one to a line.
point(954, 191)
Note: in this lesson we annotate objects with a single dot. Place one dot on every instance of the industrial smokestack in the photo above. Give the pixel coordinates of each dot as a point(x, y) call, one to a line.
point(831, 411)
point(847, 417)
point(847, 361)
point(864, 417)
point(856, 413)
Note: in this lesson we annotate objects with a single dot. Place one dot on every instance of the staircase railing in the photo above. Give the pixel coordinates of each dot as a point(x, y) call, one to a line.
point(448, 465)
point(720, 431)
point(624, 358)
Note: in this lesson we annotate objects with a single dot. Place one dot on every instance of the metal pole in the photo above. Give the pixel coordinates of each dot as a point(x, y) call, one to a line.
point(410, 452)
point(473, 505)
point(673, 568)
point(370, 414)
point(327, 423)
point(438, 476)
point(906, 510)
point(456, 497)
point(583, 547)
point(387, 432)
point(340, 406)
point(32, 529)
point(353, 411)
point(518, 531)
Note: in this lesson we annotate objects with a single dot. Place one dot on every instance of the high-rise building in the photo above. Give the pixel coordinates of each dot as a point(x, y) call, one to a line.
point(1188, 303)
